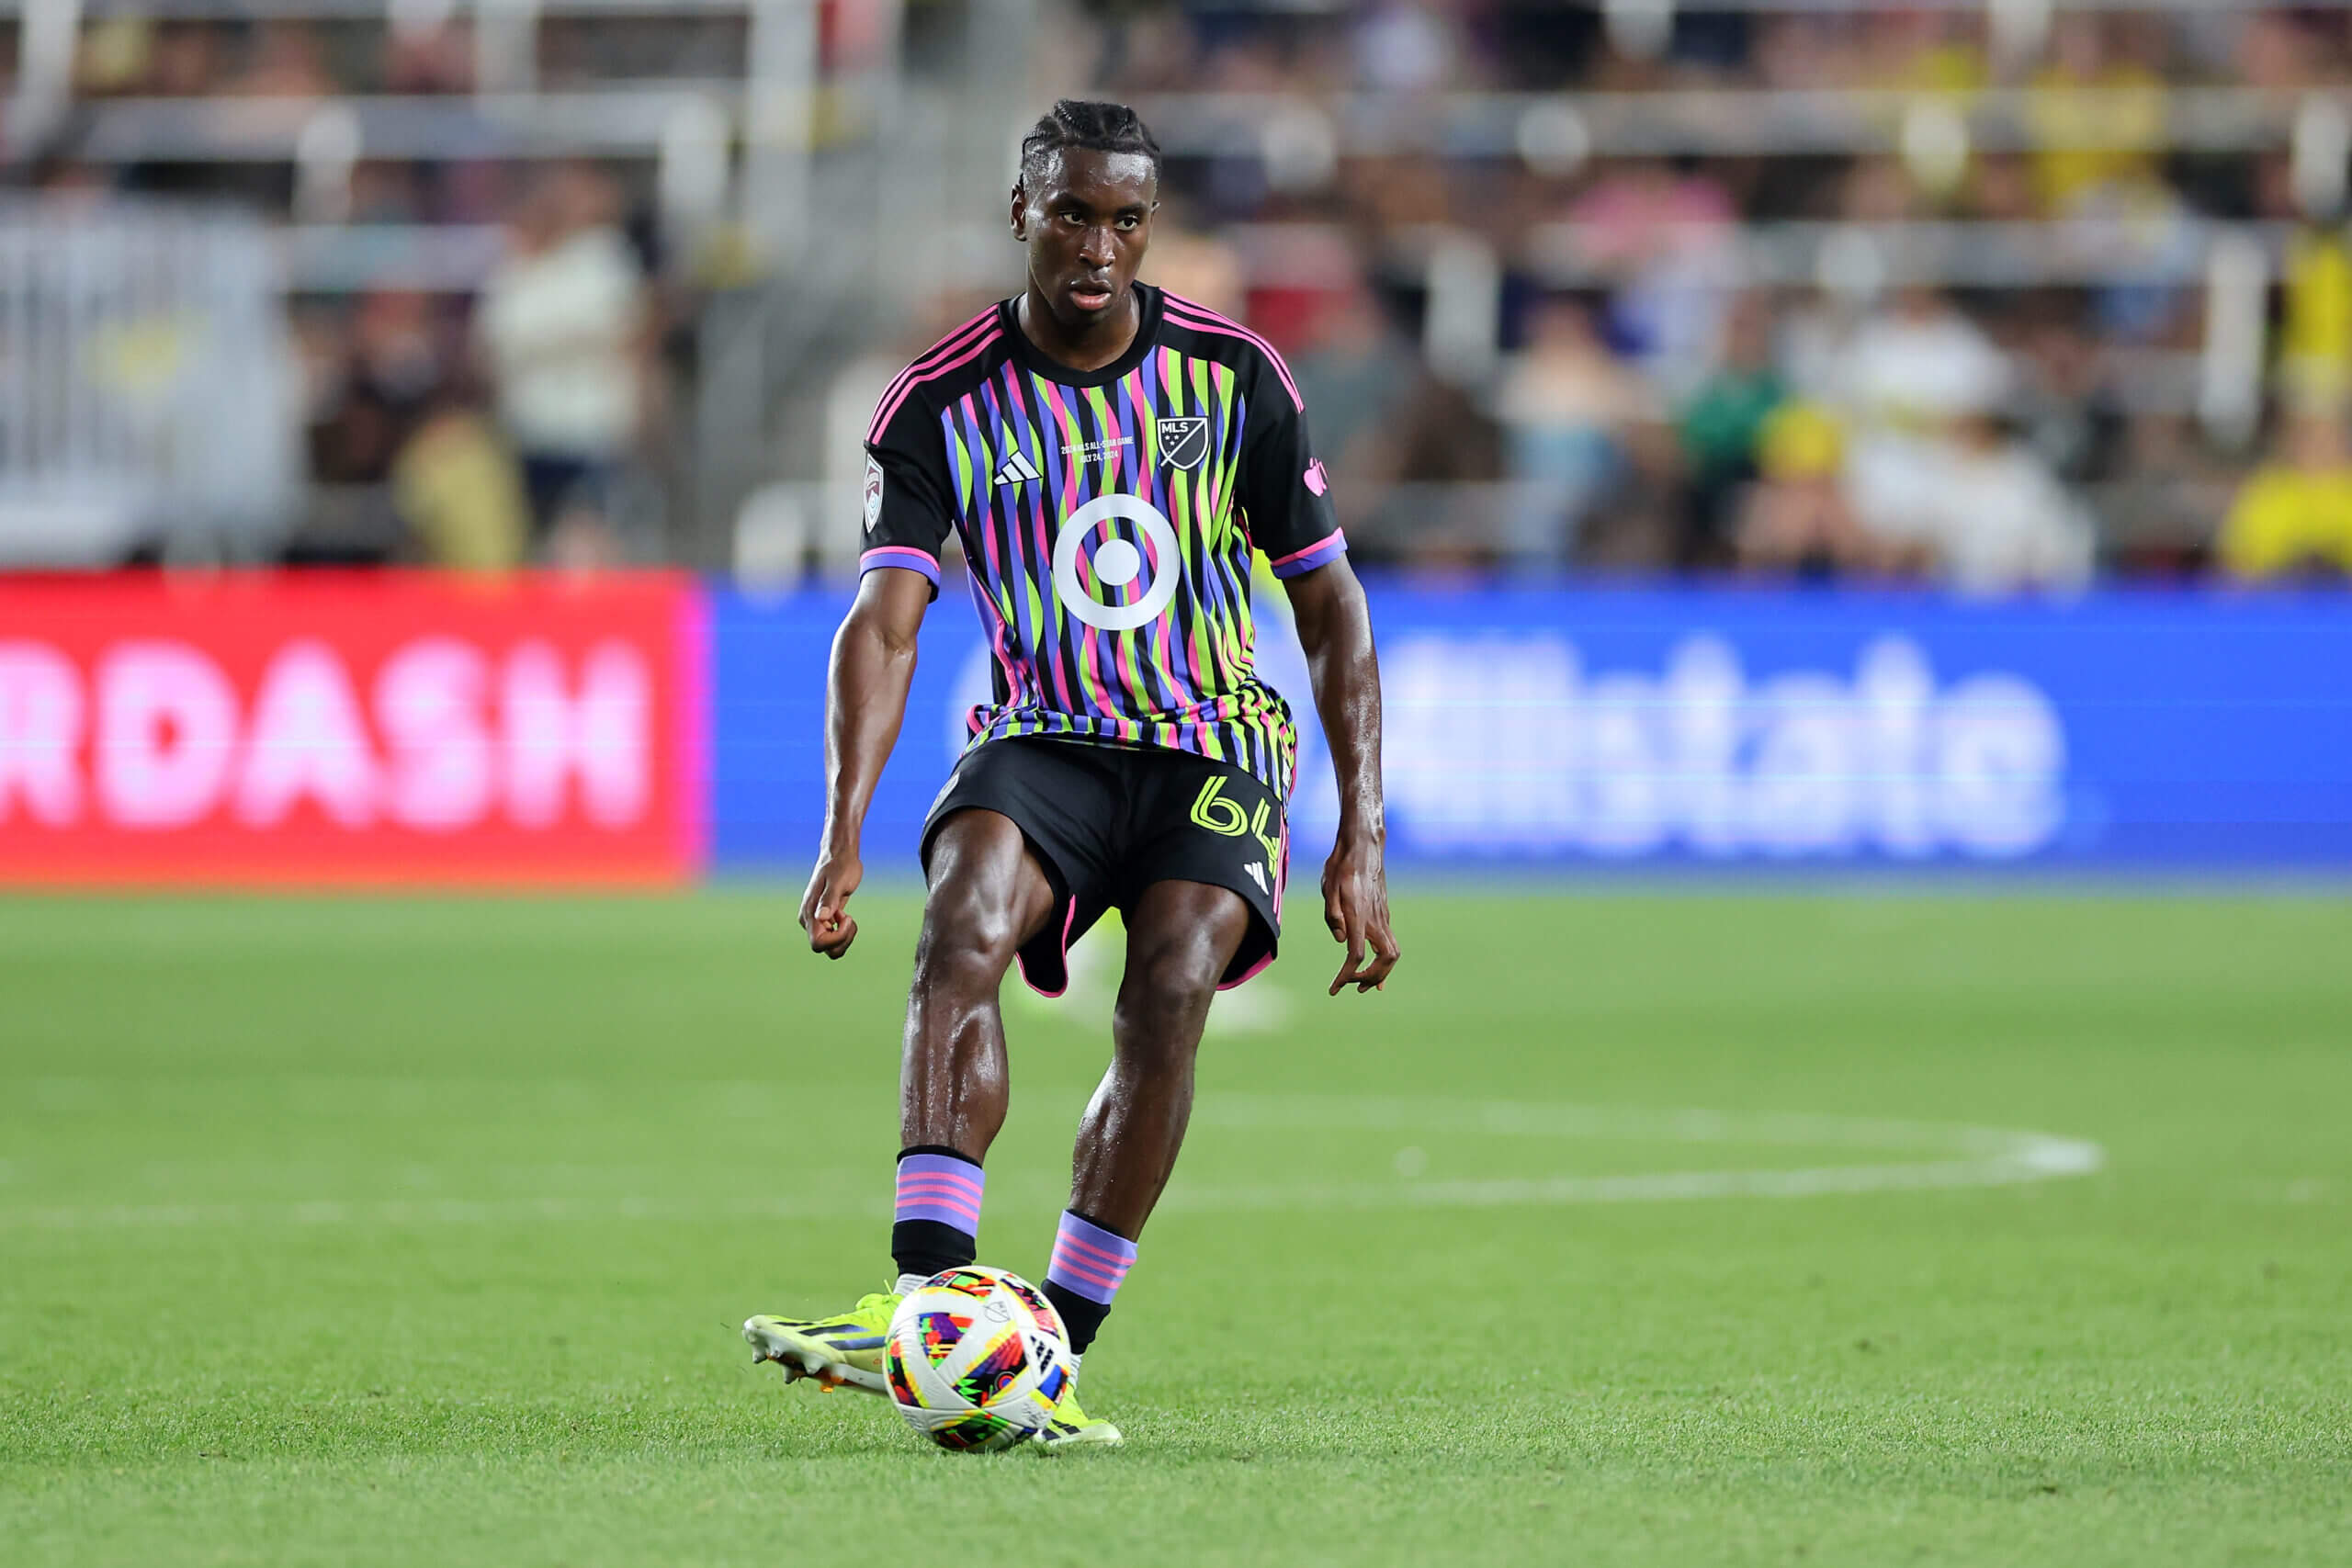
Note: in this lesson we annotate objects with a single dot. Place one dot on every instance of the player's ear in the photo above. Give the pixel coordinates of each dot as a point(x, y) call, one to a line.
point(1020, 214)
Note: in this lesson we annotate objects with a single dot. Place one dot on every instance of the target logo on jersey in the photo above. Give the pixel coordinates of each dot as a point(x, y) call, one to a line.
point(1100, 575)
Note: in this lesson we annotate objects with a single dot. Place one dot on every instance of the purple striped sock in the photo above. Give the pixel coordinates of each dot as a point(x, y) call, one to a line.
point(1088, 1260)
point(944, 1189)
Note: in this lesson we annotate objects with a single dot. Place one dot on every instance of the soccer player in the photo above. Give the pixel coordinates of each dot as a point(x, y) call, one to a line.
point(1111, 456)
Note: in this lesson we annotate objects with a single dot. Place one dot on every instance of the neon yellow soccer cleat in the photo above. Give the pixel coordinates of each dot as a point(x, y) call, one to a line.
point(1070, 1427)
point(843, 1351)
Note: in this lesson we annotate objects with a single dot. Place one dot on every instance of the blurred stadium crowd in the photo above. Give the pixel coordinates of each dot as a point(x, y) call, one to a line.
point(2004, 296)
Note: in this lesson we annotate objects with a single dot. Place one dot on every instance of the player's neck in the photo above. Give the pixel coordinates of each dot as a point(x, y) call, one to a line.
point(1092, 346)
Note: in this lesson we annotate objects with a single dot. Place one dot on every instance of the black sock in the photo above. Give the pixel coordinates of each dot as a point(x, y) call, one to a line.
point(924, 1247)
point(1082, 1318)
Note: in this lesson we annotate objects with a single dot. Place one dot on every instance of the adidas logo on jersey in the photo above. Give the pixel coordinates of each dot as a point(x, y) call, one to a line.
point(1016, 468)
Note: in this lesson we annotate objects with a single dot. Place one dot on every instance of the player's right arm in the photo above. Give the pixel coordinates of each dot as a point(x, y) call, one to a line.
point(874, 653)
point(866, 700)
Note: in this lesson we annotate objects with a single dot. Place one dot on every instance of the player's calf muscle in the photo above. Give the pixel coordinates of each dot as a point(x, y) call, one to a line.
point(953, 1087)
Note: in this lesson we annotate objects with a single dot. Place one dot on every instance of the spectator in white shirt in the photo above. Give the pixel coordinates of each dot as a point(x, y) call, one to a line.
point(563, 324)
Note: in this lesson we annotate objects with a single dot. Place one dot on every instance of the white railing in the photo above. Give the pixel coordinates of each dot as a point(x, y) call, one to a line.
point(624, 119)
point(1563, 129)
point(1482, 522)
point(1550, 130)
point(145, 385)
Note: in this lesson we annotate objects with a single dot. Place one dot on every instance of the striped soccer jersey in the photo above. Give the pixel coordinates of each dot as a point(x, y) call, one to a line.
point(1108, 519)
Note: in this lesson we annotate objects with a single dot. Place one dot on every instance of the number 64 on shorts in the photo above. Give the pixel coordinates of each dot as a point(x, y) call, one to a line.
point(1212, 810)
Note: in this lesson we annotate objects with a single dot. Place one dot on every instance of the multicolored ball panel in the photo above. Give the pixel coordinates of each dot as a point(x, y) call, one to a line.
point(942, 1332)
point(975, 1359)
point(902, 1388)
point(987, 1379)
point(977, 1433)
point(1039, 1307)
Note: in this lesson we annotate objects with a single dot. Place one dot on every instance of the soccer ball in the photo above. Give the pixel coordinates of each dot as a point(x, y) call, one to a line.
point(976, 1359)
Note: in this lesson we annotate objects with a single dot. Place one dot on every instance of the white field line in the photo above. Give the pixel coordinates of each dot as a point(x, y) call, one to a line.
point(1986, 1157)
point(1956, 1155)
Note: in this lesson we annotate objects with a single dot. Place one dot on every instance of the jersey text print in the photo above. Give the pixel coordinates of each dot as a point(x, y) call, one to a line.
point(1108, 519)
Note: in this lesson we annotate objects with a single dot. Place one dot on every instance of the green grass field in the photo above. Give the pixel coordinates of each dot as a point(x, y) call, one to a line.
point(361, 1231)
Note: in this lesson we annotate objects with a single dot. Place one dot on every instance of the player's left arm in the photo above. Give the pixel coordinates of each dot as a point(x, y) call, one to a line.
point(1335, 629)
point(1286, 500)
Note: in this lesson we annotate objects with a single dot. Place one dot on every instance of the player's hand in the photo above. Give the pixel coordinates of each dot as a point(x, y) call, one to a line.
point(824, 909)
point(1356, 906)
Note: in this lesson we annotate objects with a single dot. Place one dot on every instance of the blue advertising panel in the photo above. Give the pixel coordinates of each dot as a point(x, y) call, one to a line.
point(1726, 728)
point(768, 664)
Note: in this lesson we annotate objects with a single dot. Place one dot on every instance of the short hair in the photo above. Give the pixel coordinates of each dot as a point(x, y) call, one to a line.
point(1094, 127)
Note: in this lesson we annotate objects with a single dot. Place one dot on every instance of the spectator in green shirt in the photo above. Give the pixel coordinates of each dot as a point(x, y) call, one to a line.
point(1719, 429)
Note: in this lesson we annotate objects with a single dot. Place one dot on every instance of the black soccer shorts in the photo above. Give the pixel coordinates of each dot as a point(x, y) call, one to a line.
point(1106, 822)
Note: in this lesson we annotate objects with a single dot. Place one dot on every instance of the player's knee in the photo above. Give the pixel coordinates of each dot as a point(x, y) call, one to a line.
point(1168, 990)
point(966, 936)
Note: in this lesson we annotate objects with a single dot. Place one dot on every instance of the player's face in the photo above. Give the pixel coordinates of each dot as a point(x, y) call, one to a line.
point(1087, 219)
